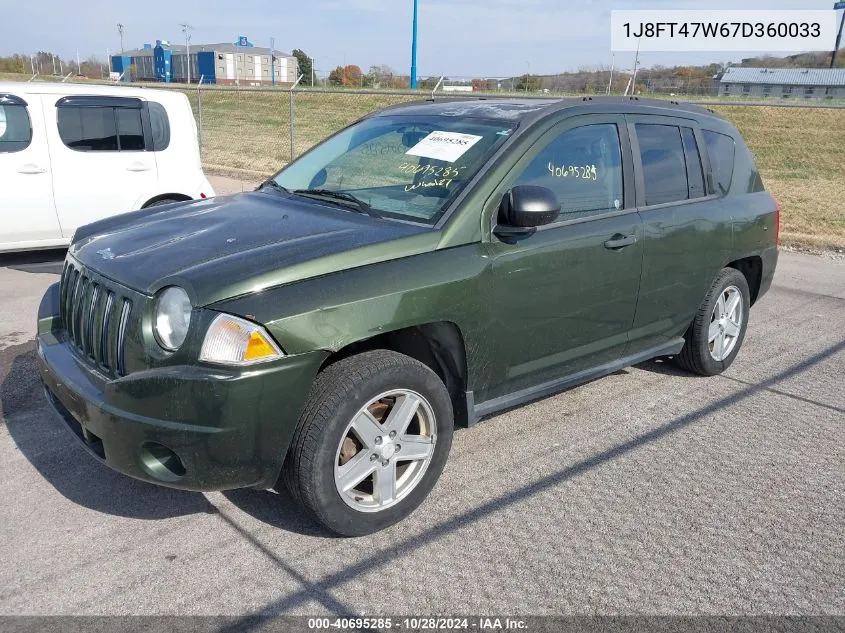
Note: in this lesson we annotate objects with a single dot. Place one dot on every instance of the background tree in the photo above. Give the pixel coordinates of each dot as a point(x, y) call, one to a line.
point(336, 76)
point(303, 62)
point(528, 83)
point(380, 76)
point(352, 76)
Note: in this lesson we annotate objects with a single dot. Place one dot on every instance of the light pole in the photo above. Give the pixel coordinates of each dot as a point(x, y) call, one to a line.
point(120, 30)
point(838, 5)
point(186, 29)
point(414, 51)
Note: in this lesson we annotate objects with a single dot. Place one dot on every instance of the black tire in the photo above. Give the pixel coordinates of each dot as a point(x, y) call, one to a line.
point(160, 203)
point(336, 396)
point(696, 354)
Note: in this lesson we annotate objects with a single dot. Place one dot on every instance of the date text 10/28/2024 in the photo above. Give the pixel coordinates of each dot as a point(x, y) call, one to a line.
point(418, 623)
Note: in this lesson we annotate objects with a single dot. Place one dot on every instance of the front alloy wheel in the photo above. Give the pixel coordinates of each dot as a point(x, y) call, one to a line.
point(371, 442)
point(385, 451)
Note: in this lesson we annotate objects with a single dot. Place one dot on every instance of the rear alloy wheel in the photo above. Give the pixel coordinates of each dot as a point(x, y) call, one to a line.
point(725, 324)
point(716, 334)
point(371, 443)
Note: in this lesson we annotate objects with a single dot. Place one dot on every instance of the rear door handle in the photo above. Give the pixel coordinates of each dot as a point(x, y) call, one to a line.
point(138, 167)
point(620, 241)
point(31, 168)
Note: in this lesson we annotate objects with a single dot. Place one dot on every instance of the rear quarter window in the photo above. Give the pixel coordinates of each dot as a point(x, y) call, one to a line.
point(15, 128)
point(722, 150)
point(160, 125)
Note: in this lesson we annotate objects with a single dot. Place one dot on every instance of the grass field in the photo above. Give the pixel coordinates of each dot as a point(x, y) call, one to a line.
point(800, 151)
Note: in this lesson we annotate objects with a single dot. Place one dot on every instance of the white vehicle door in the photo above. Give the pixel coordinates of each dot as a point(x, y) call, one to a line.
point(27, 212)
point(103, 163)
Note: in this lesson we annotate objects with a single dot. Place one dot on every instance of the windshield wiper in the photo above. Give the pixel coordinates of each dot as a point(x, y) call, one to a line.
point(340, 196)
point(273, 185)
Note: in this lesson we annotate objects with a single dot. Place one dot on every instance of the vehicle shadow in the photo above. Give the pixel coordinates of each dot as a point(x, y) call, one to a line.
point(47, 261)
point(324, 589)
point(277, 509)
point(665, 367)
point(56, 454)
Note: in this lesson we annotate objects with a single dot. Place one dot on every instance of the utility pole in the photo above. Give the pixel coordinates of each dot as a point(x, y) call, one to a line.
point(120, 30)
point(53, 59)
point(78, 63)
point(838, 35)
point(612, 64)
point(312, 72)
point(186, 29)
point(414, 51)
point(636, 68)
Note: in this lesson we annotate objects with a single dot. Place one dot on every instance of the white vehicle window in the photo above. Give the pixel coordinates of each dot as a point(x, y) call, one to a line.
point(101, 129)
point(15, 126)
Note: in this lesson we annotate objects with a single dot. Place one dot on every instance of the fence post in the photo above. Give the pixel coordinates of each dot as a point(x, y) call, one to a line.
point(440, 81)
point(290, 93)
point(199, 112)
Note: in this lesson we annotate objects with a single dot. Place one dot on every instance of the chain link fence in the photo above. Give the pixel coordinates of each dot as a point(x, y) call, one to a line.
point(250, 133)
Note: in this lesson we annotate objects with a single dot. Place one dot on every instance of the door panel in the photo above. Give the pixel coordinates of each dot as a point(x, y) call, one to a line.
point(686, 242)
point(27, 212)
point(564, 298)
point(567, 301)
point(104, 173)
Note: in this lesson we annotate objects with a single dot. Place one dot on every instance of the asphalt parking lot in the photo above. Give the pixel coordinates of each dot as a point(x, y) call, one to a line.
point(649, 491)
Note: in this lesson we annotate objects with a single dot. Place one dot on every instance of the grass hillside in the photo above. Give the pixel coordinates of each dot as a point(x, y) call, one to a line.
point(800, 151)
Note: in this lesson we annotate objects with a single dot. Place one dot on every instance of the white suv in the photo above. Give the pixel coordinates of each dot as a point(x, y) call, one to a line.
point(73, 154)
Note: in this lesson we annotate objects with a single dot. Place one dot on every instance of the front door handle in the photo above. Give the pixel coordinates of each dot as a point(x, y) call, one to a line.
point(138, 167)
point(31, 168)
point(620, 241)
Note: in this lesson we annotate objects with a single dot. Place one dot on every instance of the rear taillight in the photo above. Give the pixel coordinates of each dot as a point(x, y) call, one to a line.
point(203, 196)
point(777, 220)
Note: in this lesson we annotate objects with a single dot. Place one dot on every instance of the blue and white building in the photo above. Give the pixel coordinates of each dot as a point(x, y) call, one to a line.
point(240, 63)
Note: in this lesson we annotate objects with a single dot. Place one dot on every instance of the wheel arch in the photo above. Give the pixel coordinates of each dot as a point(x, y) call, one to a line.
point(175, 197)
point(438, 345)
point(752, 269)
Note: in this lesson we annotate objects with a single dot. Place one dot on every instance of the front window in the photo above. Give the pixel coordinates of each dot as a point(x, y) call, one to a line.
point(583, 166)
point(407, 167)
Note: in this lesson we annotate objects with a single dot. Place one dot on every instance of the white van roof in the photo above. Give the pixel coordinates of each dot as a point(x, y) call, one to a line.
point(66, 89)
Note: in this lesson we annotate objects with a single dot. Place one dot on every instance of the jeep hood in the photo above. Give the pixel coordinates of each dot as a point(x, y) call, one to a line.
point(230, 246)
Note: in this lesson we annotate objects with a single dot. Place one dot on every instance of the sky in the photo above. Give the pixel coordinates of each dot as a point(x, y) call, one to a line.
point(457, 38)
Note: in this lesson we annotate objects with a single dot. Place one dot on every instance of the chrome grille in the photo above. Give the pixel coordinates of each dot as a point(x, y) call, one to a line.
point(95, 317)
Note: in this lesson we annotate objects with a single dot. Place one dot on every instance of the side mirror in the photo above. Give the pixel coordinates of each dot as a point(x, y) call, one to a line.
point(524, 208)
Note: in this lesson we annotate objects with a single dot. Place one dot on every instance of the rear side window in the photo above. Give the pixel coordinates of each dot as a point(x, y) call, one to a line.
point(101, 128)
point(664, 164)
point(160, 126)
point(130, 131)
point(721, 150)
point(15, 127)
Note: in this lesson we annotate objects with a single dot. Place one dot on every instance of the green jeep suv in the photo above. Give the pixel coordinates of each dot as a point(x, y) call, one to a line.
point(427, 266)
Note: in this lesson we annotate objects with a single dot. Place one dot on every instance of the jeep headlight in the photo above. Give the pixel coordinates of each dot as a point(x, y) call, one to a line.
point(231, 340)
point(172, 318)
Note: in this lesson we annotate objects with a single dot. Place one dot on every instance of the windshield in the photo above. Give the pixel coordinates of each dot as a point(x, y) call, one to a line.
point(407, 167)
